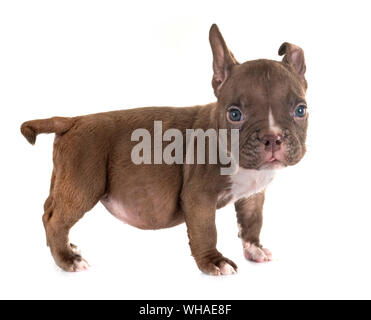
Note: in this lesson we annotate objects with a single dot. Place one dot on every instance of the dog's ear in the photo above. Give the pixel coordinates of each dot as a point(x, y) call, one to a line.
point(223, 59)
point(294, 56)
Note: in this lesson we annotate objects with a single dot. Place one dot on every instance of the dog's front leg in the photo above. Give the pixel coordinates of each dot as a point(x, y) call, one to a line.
point(250, 221)
point(199, 211)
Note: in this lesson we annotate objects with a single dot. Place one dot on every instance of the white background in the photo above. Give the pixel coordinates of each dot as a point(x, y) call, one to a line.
point(71, 58)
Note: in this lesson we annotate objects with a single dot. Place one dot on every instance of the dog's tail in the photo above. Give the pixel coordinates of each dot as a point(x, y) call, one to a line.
point(58, 125)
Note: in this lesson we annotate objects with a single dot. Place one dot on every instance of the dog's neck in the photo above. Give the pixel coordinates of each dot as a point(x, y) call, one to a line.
point(245, 183)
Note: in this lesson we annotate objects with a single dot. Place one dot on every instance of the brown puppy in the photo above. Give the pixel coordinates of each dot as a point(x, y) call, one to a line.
point(263, 100)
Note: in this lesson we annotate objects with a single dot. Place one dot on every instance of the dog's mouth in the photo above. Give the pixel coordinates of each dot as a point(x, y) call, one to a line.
point(259, 157)
point(265, 161)
point(272, 163)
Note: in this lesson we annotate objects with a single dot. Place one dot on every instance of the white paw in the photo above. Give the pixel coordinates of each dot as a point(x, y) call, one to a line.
point(226, 269)
point(254, 253)
point(80, 265)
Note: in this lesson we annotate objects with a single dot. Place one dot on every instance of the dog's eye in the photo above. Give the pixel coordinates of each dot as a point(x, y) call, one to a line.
point(234, 114)
point(300, 111)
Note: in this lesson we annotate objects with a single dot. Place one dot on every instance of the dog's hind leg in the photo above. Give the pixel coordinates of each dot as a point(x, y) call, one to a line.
point(75, 189)
point(48, 204)
point(48, 209)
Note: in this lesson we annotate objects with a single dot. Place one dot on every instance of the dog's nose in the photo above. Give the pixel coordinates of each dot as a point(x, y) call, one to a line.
point(272, 142)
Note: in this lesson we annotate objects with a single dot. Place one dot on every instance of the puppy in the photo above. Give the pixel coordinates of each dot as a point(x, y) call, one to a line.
point(262, 101)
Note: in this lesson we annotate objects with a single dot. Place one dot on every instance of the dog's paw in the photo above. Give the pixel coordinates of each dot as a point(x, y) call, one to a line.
point(79, 264)
point(71, 261)
point(253, 253)
point(226, 269)
point(222, 267)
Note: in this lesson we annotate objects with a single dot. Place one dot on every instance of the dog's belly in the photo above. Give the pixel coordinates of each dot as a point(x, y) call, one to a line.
point(142, 216)
point(117, 208)
point(144, 199)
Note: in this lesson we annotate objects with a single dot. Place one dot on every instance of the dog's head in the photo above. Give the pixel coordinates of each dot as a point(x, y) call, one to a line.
point(265, 100)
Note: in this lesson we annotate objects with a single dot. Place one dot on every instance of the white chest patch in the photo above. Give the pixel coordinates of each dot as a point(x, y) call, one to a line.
point(246, 182)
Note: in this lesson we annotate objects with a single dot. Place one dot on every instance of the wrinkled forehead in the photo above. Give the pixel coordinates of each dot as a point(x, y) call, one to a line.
point(261, 81)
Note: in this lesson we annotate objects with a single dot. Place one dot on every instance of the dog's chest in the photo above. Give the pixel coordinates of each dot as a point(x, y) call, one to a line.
point(245, 183)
